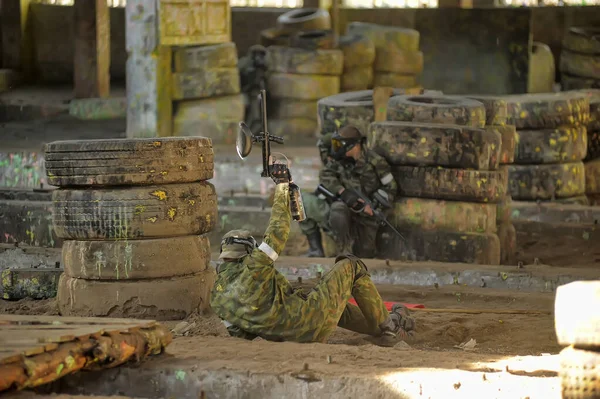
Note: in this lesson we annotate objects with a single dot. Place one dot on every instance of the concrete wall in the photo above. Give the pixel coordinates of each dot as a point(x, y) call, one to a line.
point(54, 48)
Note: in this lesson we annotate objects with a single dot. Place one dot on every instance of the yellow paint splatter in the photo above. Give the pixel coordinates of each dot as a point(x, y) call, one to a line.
point(153, 219)
point(191, 202)
point(160, 194)
point(139, 209)
point(171, 213)
point(157, 143)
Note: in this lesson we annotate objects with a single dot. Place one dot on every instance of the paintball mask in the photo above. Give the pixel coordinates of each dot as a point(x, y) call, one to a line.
point(341, 145)
point(237, 243)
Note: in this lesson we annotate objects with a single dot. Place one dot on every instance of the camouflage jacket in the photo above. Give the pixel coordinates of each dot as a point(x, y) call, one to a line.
point(254, 296)
point(370, 173)
point(324, 146)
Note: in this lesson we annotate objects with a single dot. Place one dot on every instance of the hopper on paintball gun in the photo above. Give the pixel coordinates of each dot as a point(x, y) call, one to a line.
point(245, 140)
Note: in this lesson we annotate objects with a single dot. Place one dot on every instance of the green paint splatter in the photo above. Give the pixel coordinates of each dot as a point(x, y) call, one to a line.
point(180, 375)
point(59, 368)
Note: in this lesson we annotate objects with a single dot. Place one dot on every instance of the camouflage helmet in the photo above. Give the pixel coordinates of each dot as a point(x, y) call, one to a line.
point(236, 244)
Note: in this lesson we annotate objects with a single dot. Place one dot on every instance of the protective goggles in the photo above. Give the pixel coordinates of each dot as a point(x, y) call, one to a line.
point(339, 143)
point(250, 243)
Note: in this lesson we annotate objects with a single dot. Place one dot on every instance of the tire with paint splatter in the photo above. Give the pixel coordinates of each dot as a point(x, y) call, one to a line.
point(297, 131)
point(584, 65)
point(428, 144)
point(305, 19)
point(359, 51)
point(395, 80)
point(545, 146)
point(579, 328)
point(156, 299)
point(504, 210)
point(508, 135)
point(129, 162)
point(571, 82)
point(314, 40)
point(592, 177)
point(507, 234)
point(302, 87)
point(134, 212)
point(199, 58)
point(289, 109)
point(496, 109)
point(354, 108)
point(136, 259)
point(275, 37)
point(440, 246)
point(545, 182)
point(437, 215)
point(579, 372)
point(585, 40)
point(387, 36)
point(357, 78)
point(548, 110)
point(305, 62)
point(452, 110)
point(398, 61)
point(212, 82)
point(451, 184)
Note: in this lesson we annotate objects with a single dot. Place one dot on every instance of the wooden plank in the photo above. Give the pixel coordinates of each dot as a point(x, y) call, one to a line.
point(92, 49)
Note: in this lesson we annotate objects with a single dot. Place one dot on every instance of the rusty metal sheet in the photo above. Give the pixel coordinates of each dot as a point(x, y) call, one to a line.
point(194, 22)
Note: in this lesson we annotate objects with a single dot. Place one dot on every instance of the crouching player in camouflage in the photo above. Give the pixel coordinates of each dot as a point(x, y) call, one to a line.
point(255, 299)
point(350, 165)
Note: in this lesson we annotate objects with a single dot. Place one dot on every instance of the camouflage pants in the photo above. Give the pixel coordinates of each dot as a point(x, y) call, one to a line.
point(351, 232)
point(315, 316)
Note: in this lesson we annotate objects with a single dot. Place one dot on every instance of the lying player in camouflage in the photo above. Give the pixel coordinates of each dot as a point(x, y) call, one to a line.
point(349, 165)
point(255, 299)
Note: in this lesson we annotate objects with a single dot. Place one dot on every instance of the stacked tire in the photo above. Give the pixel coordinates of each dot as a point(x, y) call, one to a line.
point(359, 56)
point(449, 180)
point(398, 61)
point(496, 111)
point(134, 216)
point(206, 92)
point(291, 23)
point(551, 145)
point(592, 159)
point(580, 59)
point(577, 325)
point(297, 79)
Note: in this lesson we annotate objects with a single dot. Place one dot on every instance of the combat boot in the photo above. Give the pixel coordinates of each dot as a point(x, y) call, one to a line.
point(315, 246)
point(397, 326)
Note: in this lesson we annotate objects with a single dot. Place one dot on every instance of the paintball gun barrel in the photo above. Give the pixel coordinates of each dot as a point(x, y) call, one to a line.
point(244, 143)
point(360, 202)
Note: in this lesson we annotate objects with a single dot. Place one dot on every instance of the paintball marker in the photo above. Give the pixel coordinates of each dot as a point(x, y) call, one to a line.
point(246, 138)
point(360, 202)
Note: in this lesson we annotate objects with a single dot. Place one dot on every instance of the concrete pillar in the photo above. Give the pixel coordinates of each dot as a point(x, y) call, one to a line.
point(149, 105)
point(92, 49)
point(17, 40)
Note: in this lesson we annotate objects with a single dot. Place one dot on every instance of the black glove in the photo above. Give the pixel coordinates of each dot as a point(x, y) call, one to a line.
point(280, 173)
point(350, 198)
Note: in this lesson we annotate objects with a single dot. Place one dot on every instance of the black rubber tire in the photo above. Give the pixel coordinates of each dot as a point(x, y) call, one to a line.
point(584, 65)
point(440, 246)
point(451, 184)
point(305, 19)
point(308, 62)
point(207, 83)
point(582, 39)
point(579, 328)
point(547, 110)
point(496, 109)
point(170, 210)
point(508, 134)
point(199, 58)
point(571, 82)
point(429, 144)
point(154, 299)
point(129, 161)
point(275, 37)
point(453, 110)
point(545, 182)
point(398, 61)
point(314, 40)
point(387, 36)
point(354, 108)
point(302, 87)
point(437, 215)
point(580, 372)
point(136, 259)
point(357, 78)
point(546, 146)
point(395, 80)
point(359, 51)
